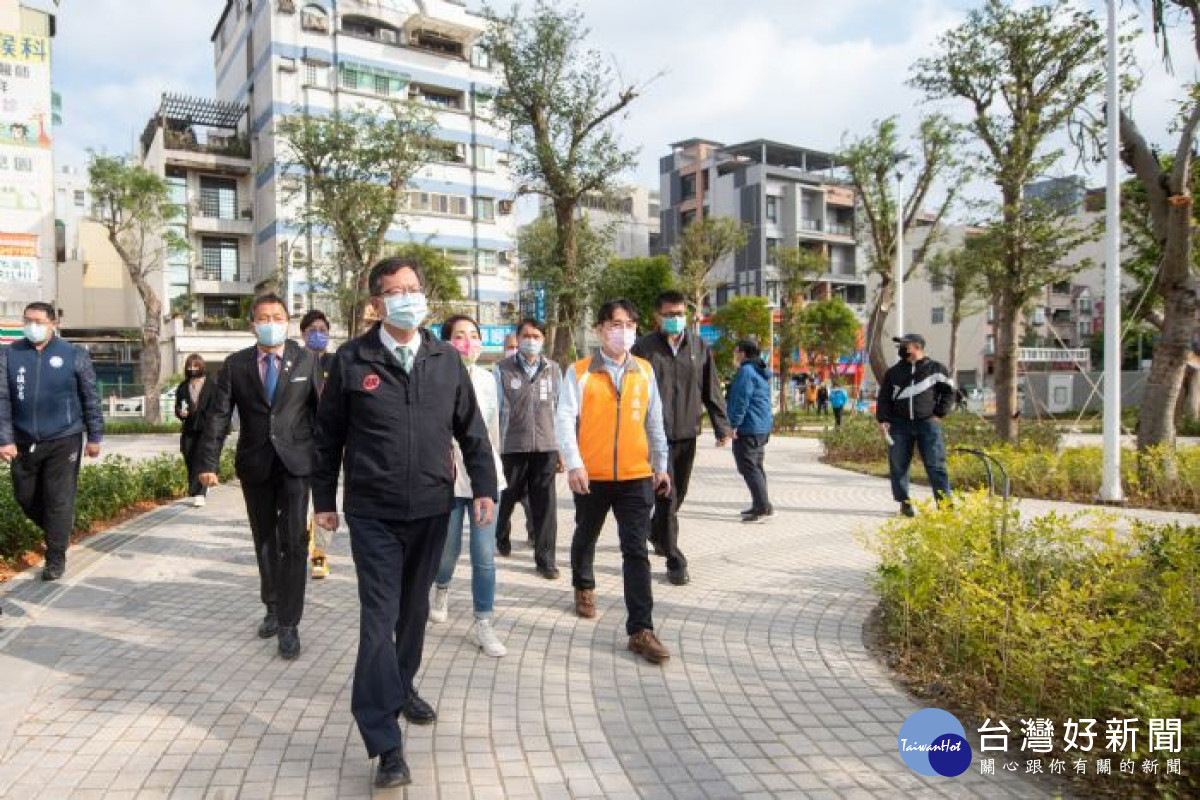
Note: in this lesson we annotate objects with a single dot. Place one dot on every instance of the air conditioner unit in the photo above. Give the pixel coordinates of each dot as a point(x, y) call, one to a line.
point(287, 65)
point(505, 207)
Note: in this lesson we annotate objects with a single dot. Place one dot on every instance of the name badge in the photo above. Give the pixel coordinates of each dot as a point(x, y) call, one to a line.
point(515, 384)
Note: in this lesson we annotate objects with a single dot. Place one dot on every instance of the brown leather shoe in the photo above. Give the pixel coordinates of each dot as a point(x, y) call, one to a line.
point(647, 645)
point(585, 603)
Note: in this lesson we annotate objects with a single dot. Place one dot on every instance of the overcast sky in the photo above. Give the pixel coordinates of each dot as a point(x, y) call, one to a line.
point(799, 71)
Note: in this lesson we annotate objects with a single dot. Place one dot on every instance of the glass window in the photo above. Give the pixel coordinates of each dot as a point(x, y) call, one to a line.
point(218, 197)
point(219, 259)
point(485, 260)
point(485, 157)
point(480, 58)
point(349, 78)
point(485, 208)
point(80, 198)
point(938, 316)
point(222, 307)
point(772, 209)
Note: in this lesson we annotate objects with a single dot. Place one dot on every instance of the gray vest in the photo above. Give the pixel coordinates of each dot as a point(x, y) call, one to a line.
point(527, 407)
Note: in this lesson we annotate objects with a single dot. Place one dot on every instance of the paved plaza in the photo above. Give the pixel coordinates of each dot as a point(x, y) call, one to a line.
point(140, 674)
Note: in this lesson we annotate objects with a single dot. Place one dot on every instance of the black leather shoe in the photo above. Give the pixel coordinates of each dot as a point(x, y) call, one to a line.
point(289, 643)
point(549, 573)
point(53, 570)
point(907, 510)
point(392, 770)
point(679, 577)
point(418, 712)
point(269, 626)
point(504, 546)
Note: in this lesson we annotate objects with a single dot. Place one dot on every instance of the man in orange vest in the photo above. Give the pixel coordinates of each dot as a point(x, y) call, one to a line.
point(610, 434)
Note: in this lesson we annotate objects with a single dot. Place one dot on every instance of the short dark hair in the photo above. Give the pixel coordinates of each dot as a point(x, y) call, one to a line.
point(748, 349)
point(610, 308)
point(315, 315)
point(448, 325)
point(390, 266)
point(530, 322)
point(268, 299)
point(669, 298)
point(40, 306)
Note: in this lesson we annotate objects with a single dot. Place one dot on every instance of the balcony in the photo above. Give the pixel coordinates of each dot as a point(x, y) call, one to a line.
point(812, 225)
point(204, 221)
point(226, 154)
point(839, 229)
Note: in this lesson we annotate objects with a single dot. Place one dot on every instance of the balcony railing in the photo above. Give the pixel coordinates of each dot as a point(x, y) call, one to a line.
point(811, 225)
point(231, 146)
point(840, 229)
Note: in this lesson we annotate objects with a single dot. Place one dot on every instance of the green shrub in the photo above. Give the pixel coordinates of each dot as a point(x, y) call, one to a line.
point(135, 426)
point(106, 490)
point(1072, 620)
point(859, 440)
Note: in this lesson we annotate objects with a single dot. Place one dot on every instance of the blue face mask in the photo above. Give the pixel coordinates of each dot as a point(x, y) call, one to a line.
point(406, 311)
point(674, 325)
point(271, 334)
point(316, 340)
point(36, 332)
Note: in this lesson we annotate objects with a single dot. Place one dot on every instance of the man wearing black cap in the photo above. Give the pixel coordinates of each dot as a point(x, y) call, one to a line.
point(916, 394)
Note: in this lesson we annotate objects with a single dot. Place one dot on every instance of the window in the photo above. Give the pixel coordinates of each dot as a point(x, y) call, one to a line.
point(316, 74)
point(431, 203)
point(687, 187)
point(460, 259)
point(1062, 287)
point(1039, 316)
point(349, 78)
point(1085, 330)
point(366, 28)
point(485, 261)
point(222, 307)
point(485, 157)
point(446, 99)
point(485, 106)
point(772, 246)
point(773, 293)
point(936, 284)
point(428, 40)
point(938, 316)
point(219, 259)
point(686, 218)
point(480, 58)
point(485, 209)
point(1085, 305)
point(80, 198)
point(772, 209)
point(218, 197)
point(449, 152)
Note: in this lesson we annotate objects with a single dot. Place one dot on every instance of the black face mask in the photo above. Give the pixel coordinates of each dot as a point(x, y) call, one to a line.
point(195, 373)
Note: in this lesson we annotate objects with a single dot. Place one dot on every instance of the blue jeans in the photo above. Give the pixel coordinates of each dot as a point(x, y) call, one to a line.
point(926, 436)
point(483, 557)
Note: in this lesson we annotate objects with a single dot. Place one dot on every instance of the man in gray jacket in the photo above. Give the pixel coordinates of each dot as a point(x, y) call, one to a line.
point(527, 388)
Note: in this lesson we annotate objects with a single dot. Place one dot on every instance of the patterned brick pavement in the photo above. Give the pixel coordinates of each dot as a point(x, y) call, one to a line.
point(140, 674)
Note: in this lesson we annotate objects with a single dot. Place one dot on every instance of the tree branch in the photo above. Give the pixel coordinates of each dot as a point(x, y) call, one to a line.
point(1138, 156)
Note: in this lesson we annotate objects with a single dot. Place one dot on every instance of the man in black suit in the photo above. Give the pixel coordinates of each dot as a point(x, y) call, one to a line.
point(273, 386)
point(395, 400)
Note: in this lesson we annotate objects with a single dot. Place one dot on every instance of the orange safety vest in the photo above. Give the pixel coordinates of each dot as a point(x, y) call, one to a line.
point(611, 427)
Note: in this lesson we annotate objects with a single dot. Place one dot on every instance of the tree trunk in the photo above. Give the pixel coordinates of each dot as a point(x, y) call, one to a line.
point(952, 366)
point(1191, 382)
point(1004, 373)
point(567, 251)
point(785, 355)
point(876, 323)
point(150, 367)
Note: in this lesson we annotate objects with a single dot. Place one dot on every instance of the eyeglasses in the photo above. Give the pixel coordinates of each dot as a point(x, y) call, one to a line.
point(402, 290)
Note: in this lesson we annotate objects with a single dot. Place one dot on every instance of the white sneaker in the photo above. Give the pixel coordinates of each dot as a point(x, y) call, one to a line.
point(198, 501)
point(484, 635)
point(439, 608)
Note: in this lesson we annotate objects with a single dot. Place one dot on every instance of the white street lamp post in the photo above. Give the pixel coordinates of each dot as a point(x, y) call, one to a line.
point(1110, 484)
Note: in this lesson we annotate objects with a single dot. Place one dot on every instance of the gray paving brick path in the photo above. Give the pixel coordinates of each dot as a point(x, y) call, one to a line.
point(140, 674)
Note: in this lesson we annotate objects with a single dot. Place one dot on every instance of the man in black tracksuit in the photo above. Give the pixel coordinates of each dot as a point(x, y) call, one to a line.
point(48, 398)
point(688, 383)
point(395, 400)
point(916, 394)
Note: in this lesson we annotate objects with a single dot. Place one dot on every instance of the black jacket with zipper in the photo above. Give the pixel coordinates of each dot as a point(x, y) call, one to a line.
point(915, 392)
point(392, 432)
point(688, 384)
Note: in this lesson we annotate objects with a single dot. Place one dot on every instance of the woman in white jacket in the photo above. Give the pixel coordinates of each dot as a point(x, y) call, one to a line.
point(463, 333)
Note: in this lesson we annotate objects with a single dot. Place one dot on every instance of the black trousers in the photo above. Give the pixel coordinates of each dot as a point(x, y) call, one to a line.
point(396, 563)
point(664, 527)
point(749, 451)
point(837, 415)
point(278, 511)
point(189, 445)
point(531, 475)
point(45, 476)
point(631, 503)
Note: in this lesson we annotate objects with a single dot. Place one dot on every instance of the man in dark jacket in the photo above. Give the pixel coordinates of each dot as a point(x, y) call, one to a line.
point(752, 420)
point(48, 398)
point(395, 400)
point(273, 386)
point(916, 394)
point(688, 384)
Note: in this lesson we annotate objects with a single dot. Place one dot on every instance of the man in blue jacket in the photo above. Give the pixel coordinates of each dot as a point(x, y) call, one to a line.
point(750, 415)
point(48, 398)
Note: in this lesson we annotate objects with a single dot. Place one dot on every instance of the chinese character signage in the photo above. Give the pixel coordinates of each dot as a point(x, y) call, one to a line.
point(493, 336)
point(18, 258)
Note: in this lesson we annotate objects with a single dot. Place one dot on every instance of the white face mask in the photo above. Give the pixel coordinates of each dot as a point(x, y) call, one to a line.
point(531, 347)
point(620, 340)
point(406, 311)
point(36, 332)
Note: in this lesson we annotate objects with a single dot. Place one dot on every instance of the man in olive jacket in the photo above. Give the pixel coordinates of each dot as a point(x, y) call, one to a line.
point(688, 383)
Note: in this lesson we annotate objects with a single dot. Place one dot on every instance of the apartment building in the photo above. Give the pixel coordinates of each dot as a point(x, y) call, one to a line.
point(629, 213)
point(784, 194)
point(27, 231)
point(283, 57)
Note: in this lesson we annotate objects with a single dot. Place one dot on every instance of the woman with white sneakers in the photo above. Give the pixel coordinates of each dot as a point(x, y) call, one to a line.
point(463, 334)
